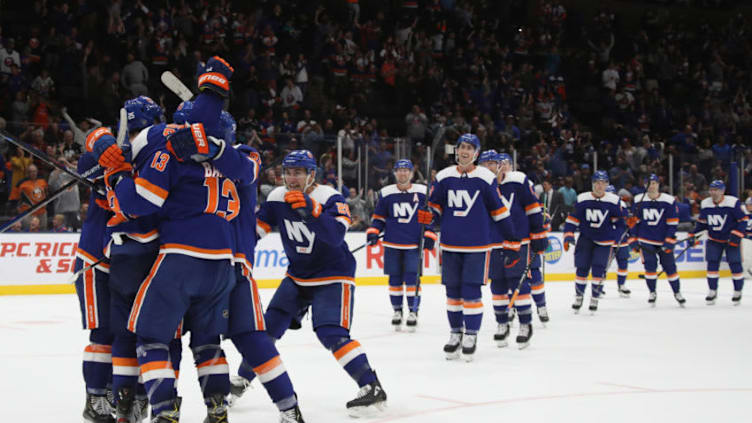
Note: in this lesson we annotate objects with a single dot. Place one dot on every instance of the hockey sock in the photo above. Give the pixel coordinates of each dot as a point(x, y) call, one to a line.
point(713, 275)
point(454, 308)
point(738, 283)
point(348, 353)
point(472, 308)
point(97, 362)
point(260, 356)
point(277, 322)
point(651, 284)
point(211, 366)
point(523, 304)
point(500, 300)
point(580, 282)
point(621, 276)
point(596, 286)
point(125, 369)
point(176, 355)
point(395, 291)
point(413, 300)
point(538, 288)
point(156, 373)
point(737, 275)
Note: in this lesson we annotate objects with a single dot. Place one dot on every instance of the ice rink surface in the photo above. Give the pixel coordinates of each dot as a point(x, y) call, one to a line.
point(627, 363)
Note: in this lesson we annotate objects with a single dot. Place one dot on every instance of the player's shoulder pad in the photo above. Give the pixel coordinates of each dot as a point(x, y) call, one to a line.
point(323, 193)
point(707, 202)
point(392, 189)
point(277, 194)
point(483, 173)
point(388, 190)
point(638, 199)
point(667, 198)
point(446, 173)
point(142, 139)
point(729, 201)
point(611, 198)
point(514, 177)
point(585, 196)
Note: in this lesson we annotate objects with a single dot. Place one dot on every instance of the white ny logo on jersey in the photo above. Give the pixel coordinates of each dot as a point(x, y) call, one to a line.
point(652, 216)
point(299, 232)
point(596, 217)
point(404, 211)
point(716, 221)
point(461, 198)
point(507, 203)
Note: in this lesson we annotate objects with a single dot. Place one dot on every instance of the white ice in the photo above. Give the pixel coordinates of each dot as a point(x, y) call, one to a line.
point(627, 363)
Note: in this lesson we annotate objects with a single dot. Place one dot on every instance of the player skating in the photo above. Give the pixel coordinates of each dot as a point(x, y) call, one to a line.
point(621, 253)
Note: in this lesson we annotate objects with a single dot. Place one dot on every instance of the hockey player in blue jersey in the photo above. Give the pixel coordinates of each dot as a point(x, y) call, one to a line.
point(725, 220)
point(92, 288)
point(526, 215)
point(655, 236)
point(599, 217)
point(396, 214)
point(537, 283)
point(312, 220)
point(621, 253)
point(466, 202)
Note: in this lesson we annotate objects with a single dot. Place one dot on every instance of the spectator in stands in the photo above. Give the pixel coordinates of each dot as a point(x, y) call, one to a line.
point(292, 96)
point(568, 193)
point(58, 224)
point(135, 76)
point(68, 203)
point(31, 191)
point(35, 224)
point(416, 122)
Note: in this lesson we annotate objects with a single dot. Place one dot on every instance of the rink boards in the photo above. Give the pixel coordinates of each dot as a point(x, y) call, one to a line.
point(43, 263)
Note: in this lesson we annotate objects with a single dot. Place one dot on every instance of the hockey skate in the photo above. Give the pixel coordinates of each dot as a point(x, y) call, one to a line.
point(98, 409)
point(397, 320)
point(651, 298)
point(468, 347)
point(624, 291)
point(710, 299)
point(524, 335)
point(737, 298)
point(370, 400)
point(216, 409)
point(169, 415)
point(292, 415)
point(578, 299)
point(452, 347)
point(412, 321)
point(238, 386)
point(543, 314)
point(680, 299)
point(593, 305)
point(501, 335)
point(125, 411)
point(511, 314)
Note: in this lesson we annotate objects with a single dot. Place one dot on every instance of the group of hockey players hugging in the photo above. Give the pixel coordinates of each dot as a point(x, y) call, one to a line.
point(491, 219)
point(168, 246)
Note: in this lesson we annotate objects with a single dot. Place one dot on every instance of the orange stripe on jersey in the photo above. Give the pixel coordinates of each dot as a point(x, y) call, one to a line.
point(500, 297)
point(532, 206)
point(498, 211)
point(263, 225)
point(99, 348)
point(212, 362)
point(345, 306)
point(136, 309)
point(328, 278)
point(452, 301)
point(346, 349)
point(377, 216)
point(372, 230)
point(573, 219)
point(124, 362)
point(463, 247)
point(258, 311)
point(155, 365)
point(154, 189)
point(434, 206)
point(672, 220)
point(523, 297)
point(269, 365)
point(146, 235)
point(91, 299)
point(86, 256)
point(473, 304)
point(190, 248)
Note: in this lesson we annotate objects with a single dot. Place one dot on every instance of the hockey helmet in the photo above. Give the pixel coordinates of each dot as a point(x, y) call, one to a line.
point(471, 139)
point(142, 112)
point(503, 157)
point(488, 156)
point(600, 175)
point(300, 158)
point(229, 127)
point(718, 184)
point(181, 113)
point(403, 164)
point(610, 188)
point(654, 177)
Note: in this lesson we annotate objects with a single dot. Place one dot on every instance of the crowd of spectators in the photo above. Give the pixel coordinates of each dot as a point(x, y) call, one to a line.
point(563, 89)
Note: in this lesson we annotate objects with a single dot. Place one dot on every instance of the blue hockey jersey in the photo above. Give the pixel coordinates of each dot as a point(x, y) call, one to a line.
point(396, 215)
point(657, 219)
point(315, 247)
point(598, 219)
point(195, 203)
point(93, 234)
point(517, 195)
point(722, 219)
point(467, 204)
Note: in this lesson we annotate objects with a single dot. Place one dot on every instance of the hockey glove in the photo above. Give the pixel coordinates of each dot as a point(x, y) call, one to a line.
point(632, 221)
point(735, 239)
point(425, 217)
point(568, 240)
point(511, 258)
point(191, 143)
point(692, 240)
point(114, 206)
point(113, 176)
point(429, 240)
point(539, 245)
point(216, 76)
point(302, 203)
point(102, 144)
point(372, 238)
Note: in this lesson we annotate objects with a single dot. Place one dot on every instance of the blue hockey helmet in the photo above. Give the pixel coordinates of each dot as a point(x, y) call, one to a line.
point(504, 157)
point(654, 177)
point(300, 158)
point(181, 113)
point(600, 175)
point(142, 112)
point(611, 188)
point(471, 139)
point(403, 164)
point(718, 184)
point(229, 127)
point(488, 156)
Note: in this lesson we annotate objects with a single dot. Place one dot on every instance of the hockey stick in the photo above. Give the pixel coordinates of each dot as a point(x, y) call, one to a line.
point(681, 253)
point(52, 162)
point(122, 128)
point(176, 85)
point(365, 245)
point(421, 240)
point(38, 206)
point(74, 276)
point(522, 279)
